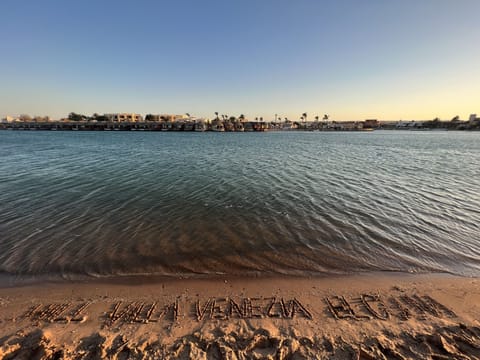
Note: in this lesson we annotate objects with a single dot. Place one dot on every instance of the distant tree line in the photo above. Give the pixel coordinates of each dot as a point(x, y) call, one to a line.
point(80, 117)
point(436, 123)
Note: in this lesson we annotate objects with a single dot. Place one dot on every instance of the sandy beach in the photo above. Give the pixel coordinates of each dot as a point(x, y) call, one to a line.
point(369, 316)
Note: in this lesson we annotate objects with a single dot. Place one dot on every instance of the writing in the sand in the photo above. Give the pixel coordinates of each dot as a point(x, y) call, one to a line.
point(212, 308)
point(368, 306)
point(248, 308)
point(65, 312)
point(362, 307)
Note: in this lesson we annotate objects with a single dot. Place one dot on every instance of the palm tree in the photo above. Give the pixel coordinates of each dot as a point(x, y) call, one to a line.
point(304, 118)
point(325, 119)
point(216, 115)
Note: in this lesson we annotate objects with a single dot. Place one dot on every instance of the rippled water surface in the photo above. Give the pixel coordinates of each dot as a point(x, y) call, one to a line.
point(122, 203)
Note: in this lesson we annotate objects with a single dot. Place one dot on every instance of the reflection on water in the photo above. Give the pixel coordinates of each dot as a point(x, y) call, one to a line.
point(75, 203)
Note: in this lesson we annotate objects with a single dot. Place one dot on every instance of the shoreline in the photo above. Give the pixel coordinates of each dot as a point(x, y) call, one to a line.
point(348, 316)
point(226, 126)
point(8, 281)
point(68, 129)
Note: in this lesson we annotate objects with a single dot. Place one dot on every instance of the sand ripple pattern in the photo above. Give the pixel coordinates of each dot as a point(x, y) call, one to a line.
point(110, 204)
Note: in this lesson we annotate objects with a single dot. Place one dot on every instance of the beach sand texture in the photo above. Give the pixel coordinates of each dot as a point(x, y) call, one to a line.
point(370, 316)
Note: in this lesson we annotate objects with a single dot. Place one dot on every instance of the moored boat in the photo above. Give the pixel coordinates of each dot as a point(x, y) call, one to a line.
point(217, 126)
point(200, 126)
point(239, 126)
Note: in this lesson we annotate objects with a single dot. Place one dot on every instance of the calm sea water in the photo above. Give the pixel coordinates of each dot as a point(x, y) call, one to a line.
point(115, 203)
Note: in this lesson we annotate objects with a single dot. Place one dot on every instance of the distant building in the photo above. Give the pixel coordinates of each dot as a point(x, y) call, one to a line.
point(166, 117)
point(371, 124)
point(157, 117)
point(41, 119)
point(472, 117)
point(124, 117)
point(350, 125)
point(8, 119)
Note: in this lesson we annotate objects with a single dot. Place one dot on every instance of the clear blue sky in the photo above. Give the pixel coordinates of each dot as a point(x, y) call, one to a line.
point(386, 59)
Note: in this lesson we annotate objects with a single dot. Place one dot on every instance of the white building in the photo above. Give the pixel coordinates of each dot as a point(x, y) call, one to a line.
point(8, 119)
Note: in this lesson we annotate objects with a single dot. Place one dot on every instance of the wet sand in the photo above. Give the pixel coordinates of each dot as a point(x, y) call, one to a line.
point(369, 316)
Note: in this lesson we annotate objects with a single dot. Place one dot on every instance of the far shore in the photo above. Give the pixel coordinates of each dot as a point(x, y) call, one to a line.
point(363, 316)
point(237, 125)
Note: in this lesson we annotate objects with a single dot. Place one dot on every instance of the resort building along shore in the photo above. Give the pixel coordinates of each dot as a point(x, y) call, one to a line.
point(222, 123)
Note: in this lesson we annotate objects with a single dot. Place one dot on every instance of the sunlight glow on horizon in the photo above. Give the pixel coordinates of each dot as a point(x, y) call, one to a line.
point(384, 60)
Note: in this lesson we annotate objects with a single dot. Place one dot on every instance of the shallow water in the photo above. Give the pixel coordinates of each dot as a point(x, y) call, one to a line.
point(122, 203)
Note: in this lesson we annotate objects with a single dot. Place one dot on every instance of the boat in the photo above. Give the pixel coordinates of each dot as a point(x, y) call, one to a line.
point(178, 125)
point(188, 126)
point(200, 126)
point(166, 126)
point(239, 126)
point(217, 126)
